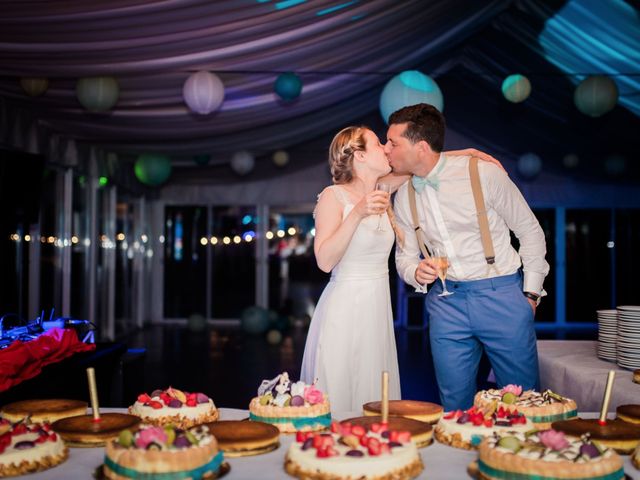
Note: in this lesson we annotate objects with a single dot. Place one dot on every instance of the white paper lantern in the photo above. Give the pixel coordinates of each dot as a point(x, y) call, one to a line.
point(98, 94)
point(203, 92)
point(280, 158)
point(242, 162)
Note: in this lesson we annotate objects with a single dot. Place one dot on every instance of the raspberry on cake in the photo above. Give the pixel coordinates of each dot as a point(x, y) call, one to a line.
point(541, 408)
point(29, 447)
point(546, 454)
point(467, 429)
point(291, 407)
point(175, 407)
point(351, 452)
point(163, 452)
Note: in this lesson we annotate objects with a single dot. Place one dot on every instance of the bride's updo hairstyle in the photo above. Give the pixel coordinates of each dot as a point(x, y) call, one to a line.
point(344, 145)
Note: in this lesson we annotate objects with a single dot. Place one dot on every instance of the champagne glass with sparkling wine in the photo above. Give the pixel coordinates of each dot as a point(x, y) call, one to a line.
point(383, 187)
point(442, 264)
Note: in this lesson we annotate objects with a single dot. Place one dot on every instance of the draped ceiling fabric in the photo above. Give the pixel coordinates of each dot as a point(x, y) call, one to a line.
point(344, 52)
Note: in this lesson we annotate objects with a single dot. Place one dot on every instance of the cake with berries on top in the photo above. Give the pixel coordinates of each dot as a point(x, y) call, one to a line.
point(175, 407)
point(292, 407)
point(350, 452)
point(467, 429)
point(541, 408)
point(29, 447)
point(163, 453)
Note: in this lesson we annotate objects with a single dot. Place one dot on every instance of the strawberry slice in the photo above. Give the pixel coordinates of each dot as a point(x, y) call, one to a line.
point(375, 427)
point(144, 398)
point(155, 404)
point(404, 436)
point(358, 430)
point(335, 427)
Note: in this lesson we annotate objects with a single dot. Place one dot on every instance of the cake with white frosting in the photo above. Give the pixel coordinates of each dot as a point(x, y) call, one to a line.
point(29, 447)
point(353, 453)
point(175, 407)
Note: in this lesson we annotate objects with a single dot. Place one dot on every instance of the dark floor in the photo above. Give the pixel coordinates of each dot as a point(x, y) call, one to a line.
point(228, 364)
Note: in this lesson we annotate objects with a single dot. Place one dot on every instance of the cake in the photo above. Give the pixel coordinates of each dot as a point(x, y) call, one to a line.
point(352, 453)
point(635, 458)
point(174, 407)
point(29, 447)
point(629, 413)
point(546, 454)
point(422, 411)
point(292, 407)
point(541, 408)
point(616, 434)
point(421, 432)
point(84, 431)
point(45, 410)
point(467, 429)
point(163, 452)
point(238, 438)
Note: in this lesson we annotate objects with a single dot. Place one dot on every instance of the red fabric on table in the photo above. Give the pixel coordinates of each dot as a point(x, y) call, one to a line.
point(24, 360)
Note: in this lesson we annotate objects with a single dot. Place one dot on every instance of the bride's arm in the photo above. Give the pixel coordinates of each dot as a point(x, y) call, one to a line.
point(472, 152)
point(394, 179)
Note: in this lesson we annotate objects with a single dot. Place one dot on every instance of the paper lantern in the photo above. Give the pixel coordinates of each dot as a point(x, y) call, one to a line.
point(571, 160)
point(202, 160)
point(254, 320)
point(280, 158)
point(34, 86)
point(274, 337)
point(516, 88)
point(615, 165)
point(288, 86)
point(409, 88)
point(152, 169)
point(203, 92)
point(596, 95)
point(529, 165)
point(242, 162)
point(98, 94)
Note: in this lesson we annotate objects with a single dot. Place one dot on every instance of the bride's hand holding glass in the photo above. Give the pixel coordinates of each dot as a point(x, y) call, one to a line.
point(373, 203)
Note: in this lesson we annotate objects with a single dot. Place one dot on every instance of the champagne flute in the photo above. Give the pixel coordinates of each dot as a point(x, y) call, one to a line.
point(442, 264)
point(383, 187)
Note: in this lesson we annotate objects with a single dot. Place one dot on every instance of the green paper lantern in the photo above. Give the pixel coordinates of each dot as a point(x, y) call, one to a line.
point(516, 88)
point(596, 95)
point(98, 94)
point(202, 160)
point(152, 169)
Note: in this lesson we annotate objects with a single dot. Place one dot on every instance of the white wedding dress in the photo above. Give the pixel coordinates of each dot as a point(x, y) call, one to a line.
point(351, 340)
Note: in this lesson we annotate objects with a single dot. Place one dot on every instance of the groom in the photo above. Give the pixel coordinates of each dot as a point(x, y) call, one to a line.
point(495, 288)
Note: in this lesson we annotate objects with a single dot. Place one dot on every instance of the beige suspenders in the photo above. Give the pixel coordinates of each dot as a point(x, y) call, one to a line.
point(483, 222)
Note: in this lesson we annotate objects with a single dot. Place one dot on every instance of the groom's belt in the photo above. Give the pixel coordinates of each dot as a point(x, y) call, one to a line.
point(484, 283)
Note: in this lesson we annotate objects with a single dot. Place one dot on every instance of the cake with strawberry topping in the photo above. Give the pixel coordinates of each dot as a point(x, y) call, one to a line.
point(467, 429)
point(175, 407)
point(163, 452)
point(292, 407)
point(546, 454)
point(29, 447)
point(541, 408)
point(352, 452)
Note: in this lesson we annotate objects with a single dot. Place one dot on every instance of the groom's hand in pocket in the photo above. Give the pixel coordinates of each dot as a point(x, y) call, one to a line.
point(426, 272)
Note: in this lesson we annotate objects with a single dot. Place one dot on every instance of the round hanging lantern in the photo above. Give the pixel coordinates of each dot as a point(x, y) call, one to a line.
point(242, 162)
point(203, 92)
point(516, 88)
point(202, 159)
point(288, 86)
point(596, 95)
point(34, 86)
point(529, 165)
point(280, 158)
point(409, 88)
point(152, 169)
point(98, 94)
point(571, 160)
point(615, 165)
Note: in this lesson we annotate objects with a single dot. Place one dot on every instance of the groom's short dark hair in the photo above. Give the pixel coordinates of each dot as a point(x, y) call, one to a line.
point(424, 122)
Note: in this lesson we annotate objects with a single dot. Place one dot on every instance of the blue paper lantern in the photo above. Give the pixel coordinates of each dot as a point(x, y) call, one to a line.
point(516, 88)
point(98, 94)
point(529, 165)
point(288, 86)
point(615, 165)
point(254, 320)
point(152, 169)
point(203, 92)
point(409, 88)
point(596, 95)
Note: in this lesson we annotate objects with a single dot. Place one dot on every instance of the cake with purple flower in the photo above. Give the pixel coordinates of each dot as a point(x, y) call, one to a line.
point(174, 407)
point(292, 407)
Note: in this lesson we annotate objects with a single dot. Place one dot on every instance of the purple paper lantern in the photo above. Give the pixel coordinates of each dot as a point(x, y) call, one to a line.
point(203, 92)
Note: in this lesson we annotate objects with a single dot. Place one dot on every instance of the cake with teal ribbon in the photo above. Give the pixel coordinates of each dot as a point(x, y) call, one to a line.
point(163, 453)
point(290, 406)
point(541, 408)
point(546, 455)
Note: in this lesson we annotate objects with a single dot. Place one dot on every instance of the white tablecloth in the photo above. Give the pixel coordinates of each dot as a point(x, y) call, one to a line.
point(572, 368)
point(441, 461)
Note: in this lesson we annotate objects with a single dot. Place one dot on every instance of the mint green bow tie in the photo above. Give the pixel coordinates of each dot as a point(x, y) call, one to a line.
point(420, 182)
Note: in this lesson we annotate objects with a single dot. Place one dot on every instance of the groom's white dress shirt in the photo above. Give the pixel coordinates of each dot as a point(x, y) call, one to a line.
point(449, 219)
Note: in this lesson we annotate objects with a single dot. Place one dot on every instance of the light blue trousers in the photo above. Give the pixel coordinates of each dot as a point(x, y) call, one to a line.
point(490, 314)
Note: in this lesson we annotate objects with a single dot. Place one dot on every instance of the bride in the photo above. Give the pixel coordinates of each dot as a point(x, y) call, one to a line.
point(351, 339)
